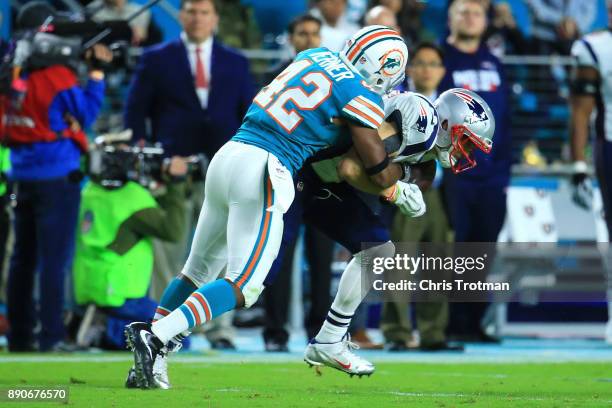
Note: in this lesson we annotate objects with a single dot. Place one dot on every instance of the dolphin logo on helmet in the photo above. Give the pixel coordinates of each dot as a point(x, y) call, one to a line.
point(379, 54)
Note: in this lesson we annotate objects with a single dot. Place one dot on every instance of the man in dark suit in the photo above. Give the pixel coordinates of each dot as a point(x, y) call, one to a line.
point(195, 92)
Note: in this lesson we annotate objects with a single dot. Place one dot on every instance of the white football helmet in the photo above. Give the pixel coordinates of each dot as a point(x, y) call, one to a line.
point(379, 54)
point(418, 122)
point(466, 122)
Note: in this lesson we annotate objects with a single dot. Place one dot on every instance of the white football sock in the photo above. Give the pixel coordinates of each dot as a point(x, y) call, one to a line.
point(170, 326)
point(345, 303)
point(350, 294)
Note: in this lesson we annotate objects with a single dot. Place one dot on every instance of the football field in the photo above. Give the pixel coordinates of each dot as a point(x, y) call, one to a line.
point(96, 380)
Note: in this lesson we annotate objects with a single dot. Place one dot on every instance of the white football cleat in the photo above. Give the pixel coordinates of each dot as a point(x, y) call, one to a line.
point(339, 356)
point(160, 372)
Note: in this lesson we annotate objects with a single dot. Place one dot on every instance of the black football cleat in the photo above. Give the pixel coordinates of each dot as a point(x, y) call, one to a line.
point(146, 347)
point(130, 381)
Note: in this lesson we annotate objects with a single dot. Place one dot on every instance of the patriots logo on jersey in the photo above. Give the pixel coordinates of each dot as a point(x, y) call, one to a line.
point(421, 123)
point(478, 112)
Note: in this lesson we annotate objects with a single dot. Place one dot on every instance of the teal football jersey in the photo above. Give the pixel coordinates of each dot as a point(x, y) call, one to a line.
point(292, 117)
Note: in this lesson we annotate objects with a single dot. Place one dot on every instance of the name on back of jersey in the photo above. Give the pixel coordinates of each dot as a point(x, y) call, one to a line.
point(333, 65)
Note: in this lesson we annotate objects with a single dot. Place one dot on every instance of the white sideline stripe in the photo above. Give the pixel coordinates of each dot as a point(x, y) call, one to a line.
point(446, 359)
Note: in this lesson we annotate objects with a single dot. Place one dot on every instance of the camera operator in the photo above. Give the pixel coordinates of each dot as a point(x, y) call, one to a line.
point(114, 251)
point(44, 130)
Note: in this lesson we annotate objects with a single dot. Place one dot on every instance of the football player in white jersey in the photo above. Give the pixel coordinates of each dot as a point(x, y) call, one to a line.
point(463, 123)
point(592, 91)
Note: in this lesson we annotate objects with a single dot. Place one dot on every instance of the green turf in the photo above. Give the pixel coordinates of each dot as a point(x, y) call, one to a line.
point(293, 385)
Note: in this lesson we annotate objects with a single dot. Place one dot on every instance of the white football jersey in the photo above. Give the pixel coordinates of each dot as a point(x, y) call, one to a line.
point(419, 127)
point(595, 50)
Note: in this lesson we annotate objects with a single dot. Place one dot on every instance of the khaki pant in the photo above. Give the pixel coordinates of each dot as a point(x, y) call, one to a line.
point(431, 317)
point(171, 256)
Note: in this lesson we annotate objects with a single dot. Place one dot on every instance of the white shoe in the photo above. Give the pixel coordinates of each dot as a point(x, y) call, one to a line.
point(609, 332)
point(160, 372)
point(339, 356)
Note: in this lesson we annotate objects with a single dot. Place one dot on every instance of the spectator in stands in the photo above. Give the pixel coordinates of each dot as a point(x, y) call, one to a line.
point(237, 25)
point(408, 14)
point(195, 92)
point(557, 23)
point(104, 10)
point(503, 35)
point(381, 15)
point(4, 44)
point(476, 198)
point(355, 10)
point(44, 131)
point(335, 29)
point(425, 71)
point(304, 33)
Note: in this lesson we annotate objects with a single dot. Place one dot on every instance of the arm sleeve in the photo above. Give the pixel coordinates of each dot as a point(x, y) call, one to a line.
point(83, 104)
point(140, 99)
point(167, 222)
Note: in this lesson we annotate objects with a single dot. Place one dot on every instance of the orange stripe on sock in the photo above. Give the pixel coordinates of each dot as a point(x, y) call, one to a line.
point(202, 301)
point(162, 312)
point(194, 310)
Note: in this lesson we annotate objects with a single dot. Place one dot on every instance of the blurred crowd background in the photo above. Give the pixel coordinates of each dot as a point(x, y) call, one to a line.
point(188, 75)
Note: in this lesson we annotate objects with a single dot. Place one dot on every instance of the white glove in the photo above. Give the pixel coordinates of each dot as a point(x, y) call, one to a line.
point(582, 190)
point(409, 199)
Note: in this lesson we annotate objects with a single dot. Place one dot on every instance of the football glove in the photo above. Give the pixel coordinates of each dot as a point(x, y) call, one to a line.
point(408, 198)
point(582, 190)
